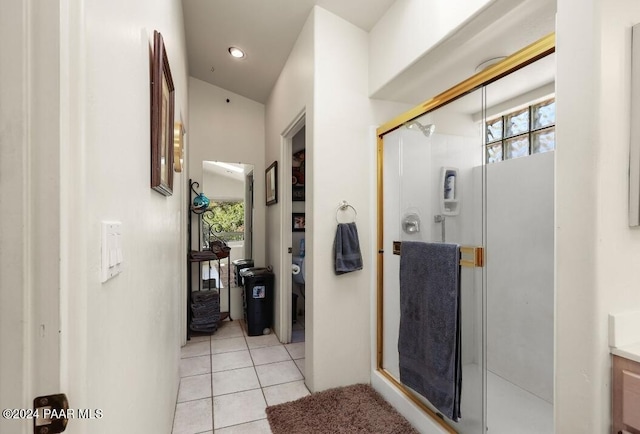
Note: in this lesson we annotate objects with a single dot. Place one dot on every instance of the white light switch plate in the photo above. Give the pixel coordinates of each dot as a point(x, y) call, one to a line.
point(111, 243)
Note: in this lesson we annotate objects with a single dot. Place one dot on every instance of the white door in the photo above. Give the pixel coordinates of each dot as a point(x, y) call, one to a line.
point(31, 329)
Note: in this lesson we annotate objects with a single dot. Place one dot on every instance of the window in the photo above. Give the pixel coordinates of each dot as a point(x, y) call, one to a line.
point(225, 220)
point(523, 132)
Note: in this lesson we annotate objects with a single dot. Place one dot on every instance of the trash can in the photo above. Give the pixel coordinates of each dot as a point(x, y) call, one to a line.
point(258, 300)
point(239, 265)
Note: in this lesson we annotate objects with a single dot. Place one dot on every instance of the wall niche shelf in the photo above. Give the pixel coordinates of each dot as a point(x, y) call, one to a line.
point(449, 191)
point(203, 304)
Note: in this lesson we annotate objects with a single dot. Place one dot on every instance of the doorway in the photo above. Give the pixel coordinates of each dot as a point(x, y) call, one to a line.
point(229, 187)
point(292, 300)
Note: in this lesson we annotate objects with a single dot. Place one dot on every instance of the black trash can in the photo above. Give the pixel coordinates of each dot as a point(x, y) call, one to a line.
point(258, 299)
point(239, 265)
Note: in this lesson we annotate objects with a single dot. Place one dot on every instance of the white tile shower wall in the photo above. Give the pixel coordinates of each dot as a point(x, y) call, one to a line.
point(463, 153)
point(520, 264)
point(412, 165)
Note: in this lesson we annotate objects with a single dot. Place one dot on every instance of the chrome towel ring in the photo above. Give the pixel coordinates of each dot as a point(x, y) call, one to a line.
point(344, 206)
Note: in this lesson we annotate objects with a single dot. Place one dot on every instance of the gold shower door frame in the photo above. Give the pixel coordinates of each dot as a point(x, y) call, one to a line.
point(539, 49)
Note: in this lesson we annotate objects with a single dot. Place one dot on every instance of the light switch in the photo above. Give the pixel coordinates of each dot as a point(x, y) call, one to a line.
point(111, 243)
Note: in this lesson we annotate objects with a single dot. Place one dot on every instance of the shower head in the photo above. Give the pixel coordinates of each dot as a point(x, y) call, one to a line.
point(427, 130)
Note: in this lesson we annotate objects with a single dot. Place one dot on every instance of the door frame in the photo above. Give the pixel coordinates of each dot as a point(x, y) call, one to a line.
point(248, 214)
point(286, 157)
point(39, 101)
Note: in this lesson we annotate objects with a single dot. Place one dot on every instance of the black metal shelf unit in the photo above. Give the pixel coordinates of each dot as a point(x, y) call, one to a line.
point(210, 306)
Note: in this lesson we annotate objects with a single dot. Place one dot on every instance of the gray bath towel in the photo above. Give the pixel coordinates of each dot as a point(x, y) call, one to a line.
point(346, 248)
point(429, 340)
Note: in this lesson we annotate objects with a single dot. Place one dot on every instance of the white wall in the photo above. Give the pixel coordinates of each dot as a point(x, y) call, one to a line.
point(339, 150)
point(596, 252)
point(520, 262)
point(409, 29)
point(292, 95)
point(126, 331)
point(325, 78)
point(219, 187)
point(231, 131)
point(342, 145)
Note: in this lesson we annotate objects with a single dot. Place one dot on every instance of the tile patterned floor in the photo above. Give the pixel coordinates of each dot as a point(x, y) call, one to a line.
point(228, 379)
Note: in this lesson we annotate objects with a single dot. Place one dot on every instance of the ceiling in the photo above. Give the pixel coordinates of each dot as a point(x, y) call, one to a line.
point(265, 29)
point(268, 29)
point(500, 29)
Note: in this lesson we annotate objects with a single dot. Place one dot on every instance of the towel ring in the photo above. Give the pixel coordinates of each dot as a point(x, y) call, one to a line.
point(343, 207)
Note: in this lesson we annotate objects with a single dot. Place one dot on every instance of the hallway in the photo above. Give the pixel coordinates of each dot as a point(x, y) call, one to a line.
point(228, 379)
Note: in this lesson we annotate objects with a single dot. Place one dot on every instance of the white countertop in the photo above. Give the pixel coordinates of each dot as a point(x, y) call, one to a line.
point(631, 352)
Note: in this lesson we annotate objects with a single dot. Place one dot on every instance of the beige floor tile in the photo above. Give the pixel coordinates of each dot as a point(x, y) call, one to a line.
point(278, 373)
point(193, 417)
point(300, 364)
point(296, 350)
point(195, 366)
point(258, 427)
point(262, 341)
point(235, 380)
point(195, 387)
point(234, 360)
point(262, 356)
point(194, 349)
point(237, 408)
point(285, 392)
point(227, 345)
point(243, 325)
point(228, 329)
point(201, 338)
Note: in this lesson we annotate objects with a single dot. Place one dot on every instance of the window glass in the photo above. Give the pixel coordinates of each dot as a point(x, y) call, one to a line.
point(544, 114)
point(494, 152)
point(517, 147)
point(517, 123)
point(494, 130)
point(513, 136)
point(543, 141)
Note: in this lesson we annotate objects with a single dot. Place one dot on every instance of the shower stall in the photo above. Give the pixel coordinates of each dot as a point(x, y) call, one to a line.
point(441, 180)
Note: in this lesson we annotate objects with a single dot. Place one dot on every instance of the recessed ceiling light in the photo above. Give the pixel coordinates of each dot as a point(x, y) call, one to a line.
point(236, 52)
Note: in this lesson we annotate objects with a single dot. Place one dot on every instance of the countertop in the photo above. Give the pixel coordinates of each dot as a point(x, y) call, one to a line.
point(624, 337)
point(631, 352)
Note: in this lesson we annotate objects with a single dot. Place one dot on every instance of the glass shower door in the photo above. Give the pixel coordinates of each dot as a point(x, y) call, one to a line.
point(433, 192)
point(520, 134)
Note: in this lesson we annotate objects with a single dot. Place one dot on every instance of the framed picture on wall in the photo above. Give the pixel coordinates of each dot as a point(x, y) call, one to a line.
point(271, 183)
point(298, 193)
point(297, 222)
point(162, 107)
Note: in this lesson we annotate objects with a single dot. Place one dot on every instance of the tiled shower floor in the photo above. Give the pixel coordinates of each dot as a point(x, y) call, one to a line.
point(228, 379)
